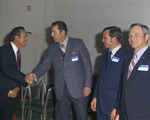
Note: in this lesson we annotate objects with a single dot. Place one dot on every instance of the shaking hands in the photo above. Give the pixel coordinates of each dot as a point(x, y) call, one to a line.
point(29, 78)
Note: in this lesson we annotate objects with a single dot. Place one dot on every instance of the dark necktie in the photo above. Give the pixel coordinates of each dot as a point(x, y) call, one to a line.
point(62, 50)
point(108, 57)
point(18, 60)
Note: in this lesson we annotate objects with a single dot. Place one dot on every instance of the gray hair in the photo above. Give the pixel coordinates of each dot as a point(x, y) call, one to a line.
point(145, 29)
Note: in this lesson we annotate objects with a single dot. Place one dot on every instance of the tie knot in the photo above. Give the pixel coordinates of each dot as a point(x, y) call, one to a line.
point(18, 53)
point(110, 52)
point(62, 45)
point(135, 56)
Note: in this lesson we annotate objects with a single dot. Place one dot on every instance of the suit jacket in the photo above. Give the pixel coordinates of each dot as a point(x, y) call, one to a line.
point(135, 97)
point(10, 77)
point(107, 86)
point(75, 71)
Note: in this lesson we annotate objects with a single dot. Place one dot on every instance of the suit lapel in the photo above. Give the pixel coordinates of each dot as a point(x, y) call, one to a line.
point(58, 52)
point(117, 54)
point(12, 53)
point(141, 61)
point(68, 49)
point(105, 65)
point(126, 68)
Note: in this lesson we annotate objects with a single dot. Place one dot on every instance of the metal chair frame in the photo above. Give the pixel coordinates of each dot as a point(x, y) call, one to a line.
point(44, 101)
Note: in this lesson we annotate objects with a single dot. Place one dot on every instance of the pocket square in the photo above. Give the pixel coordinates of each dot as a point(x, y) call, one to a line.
point(73, 52)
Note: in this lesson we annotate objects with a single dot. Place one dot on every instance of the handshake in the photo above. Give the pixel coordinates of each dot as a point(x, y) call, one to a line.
point(29, 78)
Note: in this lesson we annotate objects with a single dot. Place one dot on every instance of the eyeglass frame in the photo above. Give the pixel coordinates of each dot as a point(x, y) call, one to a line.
point(23, 35)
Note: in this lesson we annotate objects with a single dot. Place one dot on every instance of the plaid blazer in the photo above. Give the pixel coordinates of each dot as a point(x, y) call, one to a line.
point(75, 70)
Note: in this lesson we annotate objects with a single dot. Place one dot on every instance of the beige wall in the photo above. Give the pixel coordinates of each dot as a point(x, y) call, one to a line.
point(14, 13)
point(85, 19)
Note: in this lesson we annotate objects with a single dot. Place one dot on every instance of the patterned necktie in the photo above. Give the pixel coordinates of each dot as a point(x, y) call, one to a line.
point(108, 57)
point(132, 64)
point(62, 50)
point(18, 60)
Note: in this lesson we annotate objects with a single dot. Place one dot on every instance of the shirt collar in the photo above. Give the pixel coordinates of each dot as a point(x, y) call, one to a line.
point(65, 42)
point(15, 49)
point(115, 50)
point(140, 52)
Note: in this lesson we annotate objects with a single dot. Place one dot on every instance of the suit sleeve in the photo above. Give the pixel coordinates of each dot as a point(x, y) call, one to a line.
point(87, 67)
point(121, 87)
point(44, 66)
point(98, 78)
point(95, 90)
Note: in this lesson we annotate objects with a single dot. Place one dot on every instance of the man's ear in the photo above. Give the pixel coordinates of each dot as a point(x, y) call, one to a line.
point(16, 38)
point(147, 37)
point(63, 32)
point(114, 39)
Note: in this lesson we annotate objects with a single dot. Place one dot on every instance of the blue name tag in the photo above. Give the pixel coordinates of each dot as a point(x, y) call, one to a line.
point(143, 68)
point(115, 59)
point(75, 58)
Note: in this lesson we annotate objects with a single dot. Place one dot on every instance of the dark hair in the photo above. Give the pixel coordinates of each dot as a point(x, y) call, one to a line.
point(61, 26)
point(14, 32)
point(114, 32)
point(145, 29)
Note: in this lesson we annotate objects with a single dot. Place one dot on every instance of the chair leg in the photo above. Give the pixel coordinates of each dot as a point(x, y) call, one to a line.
point(22, 114)
point(56, 112)
point(41, 117)
point(25, 114)
point(44, 116)
point(29, 115)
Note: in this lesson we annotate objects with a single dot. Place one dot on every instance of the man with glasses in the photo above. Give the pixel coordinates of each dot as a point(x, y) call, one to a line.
point(10, 75)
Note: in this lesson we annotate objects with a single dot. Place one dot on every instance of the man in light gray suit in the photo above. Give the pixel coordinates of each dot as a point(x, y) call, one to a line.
point(72, 72)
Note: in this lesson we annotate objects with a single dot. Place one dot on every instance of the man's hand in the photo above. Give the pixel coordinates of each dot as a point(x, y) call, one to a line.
point(86, 91)
point(113, 114)
point(117, 117)
point(93, 104)
point(14, 92)
point(29, 78)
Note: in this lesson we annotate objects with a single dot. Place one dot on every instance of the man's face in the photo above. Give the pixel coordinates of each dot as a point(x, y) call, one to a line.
point(137, 40)
point(107, 40)
point(57, 36)
point(21, 39)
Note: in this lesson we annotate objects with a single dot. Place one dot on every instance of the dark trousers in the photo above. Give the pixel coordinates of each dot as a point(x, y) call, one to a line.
point(64, 106)
point(6, 110)
point(100, 114)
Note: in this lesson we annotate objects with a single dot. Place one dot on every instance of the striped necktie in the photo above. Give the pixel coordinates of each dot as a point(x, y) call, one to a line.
point(62, 47)
point(132, 64)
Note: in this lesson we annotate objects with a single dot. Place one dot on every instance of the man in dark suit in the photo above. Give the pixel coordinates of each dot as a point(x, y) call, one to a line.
point(135, 96)
point(72, 72)
point(106, 91)
point(10, 75)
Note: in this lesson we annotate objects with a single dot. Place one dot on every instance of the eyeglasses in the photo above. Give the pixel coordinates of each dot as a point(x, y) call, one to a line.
point(23, 35)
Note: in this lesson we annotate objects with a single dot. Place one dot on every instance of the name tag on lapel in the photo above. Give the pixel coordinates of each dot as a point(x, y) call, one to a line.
point(75, 58)
point(143, 68)
point(115, 59)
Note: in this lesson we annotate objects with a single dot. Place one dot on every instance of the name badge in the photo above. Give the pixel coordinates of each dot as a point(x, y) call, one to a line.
point(75, 58)
point(143, 68)
point(115, 59)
